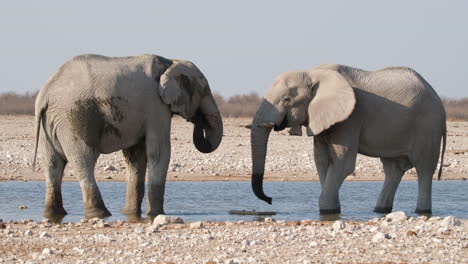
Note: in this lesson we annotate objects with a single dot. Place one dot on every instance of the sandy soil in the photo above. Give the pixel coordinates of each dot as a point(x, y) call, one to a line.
point(290, 158)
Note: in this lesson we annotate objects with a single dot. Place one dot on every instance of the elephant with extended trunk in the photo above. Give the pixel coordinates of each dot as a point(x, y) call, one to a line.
point(95, 104)
point(393, 114)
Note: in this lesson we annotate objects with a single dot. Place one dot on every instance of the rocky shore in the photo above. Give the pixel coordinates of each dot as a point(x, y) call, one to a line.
point(290, 158)
point(394, 238)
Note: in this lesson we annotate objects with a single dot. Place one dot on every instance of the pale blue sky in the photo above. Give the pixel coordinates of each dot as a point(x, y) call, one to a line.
point(239, 45)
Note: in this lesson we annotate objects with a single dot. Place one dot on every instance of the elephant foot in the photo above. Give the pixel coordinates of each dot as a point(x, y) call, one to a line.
point(133, 215)
point(55, 214)
point(330, 211)
point(97, 212)
point(131, 211)
point(383, 210)
point(423, 211)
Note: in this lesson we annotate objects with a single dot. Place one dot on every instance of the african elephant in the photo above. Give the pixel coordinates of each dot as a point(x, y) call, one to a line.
point(392, 113)
point(95, 104)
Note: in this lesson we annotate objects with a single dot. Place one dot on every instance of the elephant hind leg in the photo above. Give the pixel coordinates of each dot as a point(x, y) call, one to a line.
point(425, 173)
point(394, 170)
point(83, 159)
point(54, 165)
point(136, 160)
point(426, 165)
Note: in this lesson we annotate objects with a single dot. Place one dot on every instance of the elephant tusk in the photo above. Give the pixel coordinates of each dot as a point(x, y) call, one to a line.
point(266, 125)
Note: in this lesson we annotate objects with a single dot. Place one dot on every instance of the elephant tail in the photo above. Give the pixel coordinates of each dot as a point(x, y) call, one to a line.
point(38, 119)
point(444, 143)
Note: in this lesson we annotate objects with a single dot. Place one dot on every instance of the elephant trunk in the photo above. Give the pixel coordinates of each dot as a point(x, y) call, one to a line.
point(267, 118)
point(208, 130)
point(259, 142)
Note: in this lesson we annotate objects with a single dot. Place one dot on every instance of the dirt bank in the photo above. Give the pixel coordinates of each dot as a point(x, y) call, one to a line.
point(289, 158)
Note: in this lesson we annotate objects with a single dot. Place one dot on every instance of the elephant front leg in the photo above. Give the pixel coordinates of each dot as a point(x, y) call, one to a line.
point(342, 163)
point(158, 163)
point(135, 158)
point(321, 158)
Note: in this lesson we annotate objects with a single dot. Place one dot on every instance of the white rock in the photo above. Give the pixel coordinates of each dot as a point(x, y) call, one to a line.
point(379, 236)
point(339, 225)
point(450, 221)
point(245, 244)
point(110, 168)
point(313, 244)
point(196, 225)
point(44, 234)
point(28, 232)
point(47, 251)
point(396, 217)
point(165, 219)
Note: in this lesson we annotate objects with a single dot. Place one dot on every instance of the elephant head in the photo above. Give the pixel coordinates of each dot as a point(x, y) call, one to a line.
point(185, 89)
point(317, 99)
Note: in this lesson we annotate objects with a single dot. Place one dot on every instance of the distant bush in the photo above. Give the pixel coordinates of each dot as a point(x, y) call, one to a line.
point(243, 105)
point(457, 109)
point(16, 104)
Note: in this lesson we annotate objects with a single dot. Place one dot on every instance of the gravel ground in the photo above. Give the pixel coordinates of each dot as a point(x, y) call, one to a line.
point(289, 158)
point(392, 239)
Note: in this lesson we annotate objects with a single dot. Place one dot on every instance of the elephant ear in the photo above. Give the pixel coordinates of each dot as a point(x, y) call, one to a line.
point(333, 100)
point(178, 84)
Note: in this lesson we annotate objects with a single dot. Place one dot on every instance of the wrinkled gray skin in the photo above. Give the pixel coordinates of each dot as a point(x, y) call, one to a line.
point(393, 114)
point(95, 104)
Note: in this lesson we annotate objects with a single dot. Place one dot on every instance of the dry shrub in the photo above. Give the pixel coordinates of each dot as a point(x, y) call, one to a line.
point(457, 109)
point(17, 104)
point(244, 105)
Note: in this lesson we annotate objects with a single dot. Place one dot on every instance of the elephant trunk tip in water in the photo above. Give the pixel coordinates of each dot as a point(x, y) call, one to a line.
point(257, 187)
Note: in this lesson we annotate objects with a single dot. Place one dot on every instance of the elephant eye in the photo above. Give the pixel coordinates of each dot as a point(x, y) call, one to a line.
point(286, 100)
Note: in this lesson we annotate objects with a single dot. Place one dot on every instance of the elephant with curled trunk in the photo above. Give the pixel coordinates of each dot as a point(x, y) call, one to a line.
point(95, 104)
point(392, 113)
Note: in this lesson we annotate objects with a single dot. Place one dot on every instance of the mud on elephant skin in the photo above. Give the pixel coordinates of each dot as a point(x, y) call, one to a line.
point(95, 104)
point(392, 114)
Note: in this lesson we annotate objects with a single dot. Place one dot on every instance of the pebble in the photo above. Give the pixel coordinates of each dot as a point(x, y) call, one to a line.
point(196, 225)
point(47, 251)
point(450, 221)
point(379, 236)
point(165, 219)
point(396, 217)
point(338, 225)
point(44, 235)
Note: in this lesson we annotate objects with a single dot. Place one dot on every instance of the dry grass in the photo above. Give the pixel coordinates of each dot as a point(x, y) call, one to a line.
point(244, 105)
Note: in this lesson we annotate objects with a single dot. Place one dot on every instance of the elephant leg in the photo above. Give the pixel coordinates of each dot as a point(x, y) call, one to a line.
point(425, 165)
point(425, 171)
point(54, 165)
point(159, 153)
point(84, 163)
point(342, 164)
point(394, 170)
point(135, 158)
point(321, 158)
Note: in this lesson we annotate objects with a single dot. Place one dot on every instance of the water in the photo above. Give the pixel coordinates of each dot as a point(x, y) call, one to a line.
point(198, 201)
